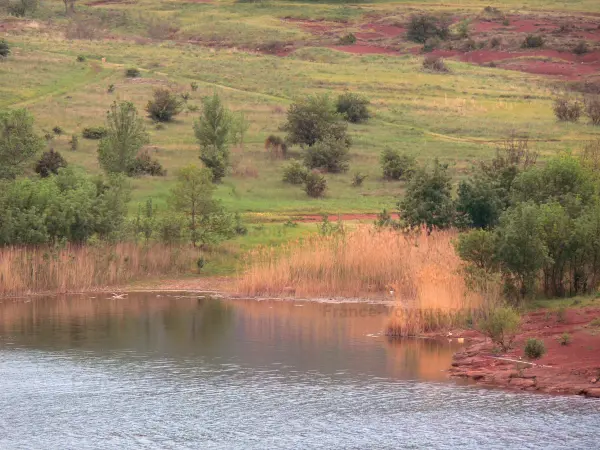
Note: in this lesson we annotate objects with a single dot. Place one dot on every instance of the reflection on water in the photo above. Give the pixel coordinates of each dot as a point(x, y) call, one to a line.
point(159, 370)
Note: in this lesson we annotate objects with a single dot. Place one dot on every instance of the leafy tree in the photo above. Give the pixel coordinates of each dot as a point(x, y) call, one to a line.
point(313, 119)
point(206, 220)
point(428, 199)
point(164, 106)
point(353, 107)
point(315, 185)
point(330, 155)
point(213, 133)
point(479, 203)
point(501, 326)
point(422, 27)
point(49, 163)
point(396, 166)
point(478, 247)
point(126, 135)
point(18, 142)
point(239, 127)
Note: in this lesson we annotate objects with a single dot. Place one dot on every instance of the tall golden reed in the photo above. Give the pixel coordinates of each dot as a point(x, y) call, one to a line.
point(83, 267)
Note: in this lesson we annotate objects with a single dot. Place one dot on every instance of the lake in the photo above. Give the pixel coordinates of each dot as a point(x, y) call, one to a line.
point(166, 370)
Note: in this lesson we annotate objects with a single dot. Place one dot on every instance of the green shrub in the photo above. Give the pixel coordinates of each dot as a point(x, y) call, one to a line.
point(495, 42)
point(81, 58)
point(57, 130)
point(144, 164)
point(534, 348)
point(463, 29)
point(501, 326)
point(74, 143)
point(561, 314)
point(353, 107)
point(164, 106)
point(49, 163)
point(396, 166)
point(111, 88)
point(565, 339)
point(133, 72)
point(330, 155)
point(533, 41)
point(431, 44)
point(294, 172)
point(567, 109)
point(435, 63)
point(4, 49)
point(358, 178)
point(276, 146)
point(94, 132)
point(581, 48)
point(315, 185)
point(194, 86)
point(592, 108)
point(422, 27)
point(348, 39)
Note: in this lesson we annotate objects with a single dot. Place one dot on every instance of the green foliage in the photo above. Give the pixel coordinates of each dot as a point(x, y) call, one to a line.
point(58, 130)
point(213, 133)
point(70, 206)
point(19, 143)
point(533, 41)
point(144, 164)
point(431, 44)
point(315, 185)
point(94, 133)
point(205, 219)
point(561, 314)
point(478, 248)
point(4, 49)
point(567, 109)
point(428, 199)
point(194, 86)
point(463, 29)
point(330, 155)
point(22, 8)
point(501, 326)
point(81, 58)
point(434, 63)
point(239, 128)
point(353, 107)
point(592, 108)
point(534, 348)
point(479, 203)
point(565, 339)
point(396, 166)
point(347, 39)
point(312, 119)
point(422, 27)
point(125, 137)
point(133, 72)
point(358, 178)
point(74, 143)
point(49, 163)
point(294, 172)
point(164, 106)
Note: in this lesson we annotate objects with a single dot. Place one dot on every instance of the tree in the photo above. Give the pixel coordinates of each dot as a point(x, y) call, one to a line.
point(164, 106)
point(19, 143)
point(239, 127)
point(353, 107)
point(479, 203)
point(126, 135)
point(313, 119)
point(205, 218)
point(396, 166)
point(330, 155)
point(213, 133)
point(49, 163)
point(428, 199)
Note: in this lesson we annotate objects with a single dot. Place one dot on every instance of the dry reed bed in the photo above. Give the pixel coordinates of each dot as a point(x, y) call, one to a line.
point(80, 267)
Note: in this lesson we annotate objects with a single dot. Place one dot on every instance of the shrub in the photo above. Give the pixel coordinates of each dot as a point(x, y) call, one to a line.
point(74, 143)
point(422, 27)
point(49, 163)
point(164, 106)
point(396, 166)
point(431, 44)
point(276, 146)
point(111, 88)
point(501, 326)
point(57, 130)
point(463, 29)
point(533, 41)
point(469, 45)
point(565, 339)
point(567, 109)
point(194, 86)
point(348, 39)
point(561, 315)
point(4, 49)
point(435, 64)
point(19, 144)
point(534, 348)
point(495, 42)
point(581, 48)
point(133, 72)
point(81, 58)
point(358, 178)
point(94, 132)
point(294, 173)
point(144, 164)
point(353, 107)
point(315, 184)
point(330, 155)
point(592, 108)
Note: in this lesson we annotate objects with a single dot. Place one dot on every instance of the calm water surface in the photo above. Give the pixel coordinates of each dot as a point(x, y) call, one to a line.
point(165, 371)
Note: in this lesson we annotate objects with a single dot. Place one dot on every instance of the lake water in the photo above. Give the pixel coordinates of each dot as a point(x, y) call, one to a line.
point(157, 370)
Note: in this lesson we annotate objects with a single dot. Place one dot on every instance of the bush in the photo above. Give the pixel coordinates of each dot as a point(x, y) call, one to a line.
point(581, 48)
point(276, 146)
point(133, 72)
point(501, 326)
point(4, 49)
point(94, 132)
point(353, 107)
point(534, 348)
point(431, 44)
point(422, 27)
point(330, 155)
point(164, 106)
point(463, 29)
point(565, 339)
point(592, 108)
point(81, 58)
point(435, 64)
point(74, 143)
point(144, 164)
point(533, 41)
point(358, 178)
point(567, 109)
point(315, 185)
point(111, 88)
point(396, 166)
point(57, 130)
point(495, 42)
point(348, 39)
point(49, 163)
point(294, 172)
point(194, 86)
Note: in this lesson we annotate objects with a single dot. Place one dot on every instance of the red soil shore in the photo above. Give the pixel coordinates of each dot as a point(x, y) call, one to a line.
point(564, 369)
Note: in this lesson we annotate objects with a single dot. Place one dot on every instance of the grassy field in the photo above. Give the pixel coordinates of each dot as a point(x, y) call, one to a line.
point(458, 117)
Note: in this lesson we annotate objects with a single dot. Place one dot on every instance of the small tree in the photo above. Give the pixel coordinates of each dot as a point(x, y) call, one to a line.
point(125, 137)
point(4, 49)
point(313, 119)
point(213, 133)
point(396, 166)
point(428, 199)
point(239, 127)
point(19, 143)
point(567, 109)
point(422, 27)
point(206, 220)
point(164, 106)
point(49, 163)
point(353, 107)
point(294, 172)
point(330, 155)
point(501, 326)
point(315, 184)
point(534, 348)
